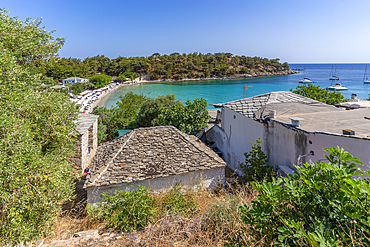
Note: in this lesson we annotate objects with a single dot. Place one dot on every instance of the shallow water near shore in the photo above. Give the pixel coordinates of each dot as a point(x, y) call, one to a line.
point(217, 91)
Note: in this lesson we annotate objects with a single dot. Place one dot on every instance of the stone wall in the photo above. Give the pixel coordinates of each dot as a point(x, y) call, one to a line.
point(84, 149)
point(89, 145)
point(76, 159)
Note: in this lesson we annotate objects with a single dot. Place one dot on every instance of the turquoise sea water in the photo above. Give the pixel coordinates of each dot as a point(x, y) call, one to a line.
point(351, 76)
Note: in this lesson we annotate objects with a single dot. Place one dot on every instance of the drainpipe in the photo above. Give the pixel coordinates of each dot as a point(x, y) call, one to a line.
point(304, 155)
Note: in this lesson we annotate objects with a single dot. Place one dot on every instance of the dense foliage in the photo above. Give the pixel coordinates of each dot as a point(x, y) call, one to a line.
point(151, 108)
point(127, 75)
point(188, 118)
point(100, 80)
point(319, 94)
point(78, 88)
point(256, 166)
point(173, 66)
point(36, 133)
point(322, 204)
point(133, 111)
point(122, 116)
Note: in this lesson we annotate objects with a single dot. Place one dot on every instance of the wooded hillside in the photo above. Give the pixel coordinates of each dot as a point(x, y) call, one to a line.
point(173, 66)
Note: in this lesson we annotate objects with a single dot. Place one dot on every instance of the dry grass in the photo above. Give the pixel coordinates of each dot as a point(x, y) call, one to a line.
point(215, 219)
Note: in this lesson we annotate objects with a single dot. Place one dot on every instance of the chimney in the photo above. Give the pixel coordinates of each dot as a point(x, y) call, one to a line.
point(348, 132)
point(295, 121)
point(354, 97)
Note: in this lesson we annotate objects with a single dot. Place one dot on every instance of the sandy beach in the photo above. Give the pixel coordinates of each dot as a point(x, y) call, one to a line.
point(104, 97)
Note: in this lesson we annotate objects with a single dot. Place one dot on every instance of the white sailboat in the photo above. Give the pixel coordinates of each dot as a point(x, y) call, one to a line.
point(334, 75)
point(366, 79)
point(305, 79)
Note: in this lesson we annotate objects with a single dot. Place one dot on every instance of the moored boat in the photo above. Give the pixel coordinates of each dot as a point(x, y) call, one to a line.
point(305, 80)
point(334, 75)
point(337, 87)
point(366, 79)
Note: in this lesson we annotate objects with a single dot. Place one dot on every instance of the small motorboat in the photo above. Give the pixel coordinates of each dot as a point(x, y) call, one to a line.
point(305, 80)
point(337, 87)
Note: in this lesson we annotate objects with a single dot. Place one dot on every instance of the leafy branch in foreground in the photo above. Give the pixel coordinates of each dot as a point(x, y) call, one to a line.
point(322, 204)
point(36, 134)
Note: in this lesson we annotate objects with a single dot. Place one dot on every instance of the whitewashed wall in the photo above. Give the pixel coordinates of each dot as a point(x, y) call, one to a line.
point(282, 145)
point(235, 136)
point(207, 179)
point(286, 145)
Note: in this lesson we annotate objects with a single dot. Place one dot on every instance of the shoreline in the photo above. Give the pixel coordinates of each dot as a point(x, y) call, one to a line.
point(233, 77)
point(103, 98)
point(101, 101)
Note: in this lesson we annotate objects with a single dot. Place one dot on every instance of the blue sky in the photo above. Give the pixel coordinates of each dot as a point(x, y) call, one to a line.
point(312, 31)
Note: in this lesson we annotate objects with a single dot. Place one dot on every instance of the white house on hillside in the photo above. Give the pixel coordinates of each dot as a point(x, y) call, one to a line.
point(319, 126)
point(73, 80)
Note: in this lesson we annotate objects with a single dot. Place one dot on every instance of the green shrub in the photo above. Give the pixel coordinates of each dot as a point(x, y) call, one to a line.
point(125, 210)
point(319, 94)
point(151, 108)
point(100, 80)
point(256, 166)
point(188, 118)
point(78, 88)
point(322, 204)
point(176, 202)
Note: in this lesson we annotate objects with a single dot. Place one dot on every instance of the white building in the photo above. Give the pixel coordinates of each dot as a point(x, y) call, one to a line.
point(155, 157)
point(73, 80)
point(243, 121)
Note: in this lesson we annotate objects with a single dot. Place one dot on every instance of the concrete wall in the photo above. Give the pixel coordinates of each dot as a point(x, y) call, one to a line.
point(235, 136)
point(283, 145)
point(206, 178)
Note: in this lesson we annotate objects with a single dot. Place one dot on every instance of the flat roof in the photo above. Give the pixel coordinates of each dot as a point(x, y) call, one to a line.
point(84, 122)
point(327, 119)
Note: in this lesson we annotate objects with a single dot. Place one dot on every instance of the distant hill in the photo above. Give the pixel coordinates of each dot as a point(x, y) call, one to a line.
point(173, 66)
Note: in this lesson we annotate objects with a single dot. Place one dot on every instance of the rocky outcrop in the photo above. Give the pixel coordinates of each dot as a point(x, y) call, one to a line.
point(272, 73)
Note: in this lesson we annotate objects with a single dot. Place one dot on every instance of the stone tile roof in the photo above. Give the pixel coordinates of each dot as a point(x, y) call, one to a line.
point(84, 122)
point(249, 106)
point(147, 153)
